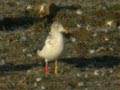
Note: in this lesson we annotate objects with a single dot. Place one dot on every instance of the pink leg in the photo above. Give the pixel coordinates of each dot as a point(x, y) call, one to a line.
point(46, 67)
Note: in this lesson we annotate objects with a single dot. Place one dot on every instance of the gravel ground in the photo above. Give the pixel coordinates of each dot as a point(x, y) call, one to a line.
point(91, 59)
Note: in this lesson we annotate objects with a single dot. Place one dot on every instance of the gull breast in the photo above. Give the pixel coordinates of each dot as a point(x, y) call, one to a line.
point(53, 48)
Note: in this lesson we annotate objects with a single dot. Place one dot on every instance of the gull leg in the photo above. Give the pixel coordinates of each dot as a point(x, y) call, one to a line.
point(46, 66)
point(56, 68)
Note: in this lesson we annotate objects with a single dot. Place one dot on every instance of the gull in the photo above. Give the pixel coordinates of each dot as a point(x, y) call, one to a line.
point(54, 45)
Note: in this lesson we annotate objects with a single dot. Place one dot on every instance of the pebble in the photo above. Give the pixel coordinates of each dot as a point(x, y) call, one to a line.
point(100, 48)
point(29, 7)
point(81, 84)
point(106, 39)
point(18, 3)
point(73, 39)
point(24, 50)
point(79, 25)
point(105, 30)
point(96, 73)
point(78, 75)
point(38, 79)
point(35, 84)
point(86, 75)
point(69, 87)
point(42, 87)
point(43, 9)
point(111, 49)
point(91, 51)
point(29, 55)
point(95, 35)
point(2, 62)
point(110, 71)
point(88, 27)
point(104, 8)
point(118, 27)
point(86, 88)
point(103, 73)
point(109, 23)
point(79, 12)
point(28, 71)
point(23, 38)
point(98, 84)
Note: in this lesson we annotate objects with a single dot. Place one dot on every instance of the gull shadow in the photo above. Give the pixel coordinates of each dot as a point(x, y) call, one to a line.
point(12, 24)
point(54, 9)
point(95, 62)
point(22, 67)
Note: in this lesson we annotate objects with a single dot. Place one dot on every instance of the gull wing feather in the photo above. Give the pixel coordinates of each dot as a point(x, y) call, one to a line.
point(49, 43)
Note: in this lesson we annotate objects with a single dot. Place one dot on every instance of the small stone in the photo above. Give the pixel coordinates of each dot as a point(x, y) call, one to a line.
point(28, 71)
point(91, 51)
point(81, 84)
point(102, 73)
point(86, 75)
point(118, 27)
point(109, 23)
point(42, 87)
point(98, 84)
point(79, 12)
point(23, 38)
point(43, 6)
point(73, 39)
point(29, 55)
point(35, 84)
point(96, 73)
point(79, 25)
point(24, 50)
point(2, 62)
point(38, 79)
point(106, 39)
point(86, 88)
point(78, 75)
point(95, 34)
point(29, 7)
point(104, 8)
point(110, 71)
point(43, 9)
point(18, 3)
point(111, 49)
point(88, 28)
point(100, 48)
point(105, 30)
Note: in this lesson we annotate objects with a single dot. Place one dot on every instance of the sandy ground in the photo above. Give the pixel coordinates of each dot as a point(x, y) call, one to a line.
point(91, 59)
